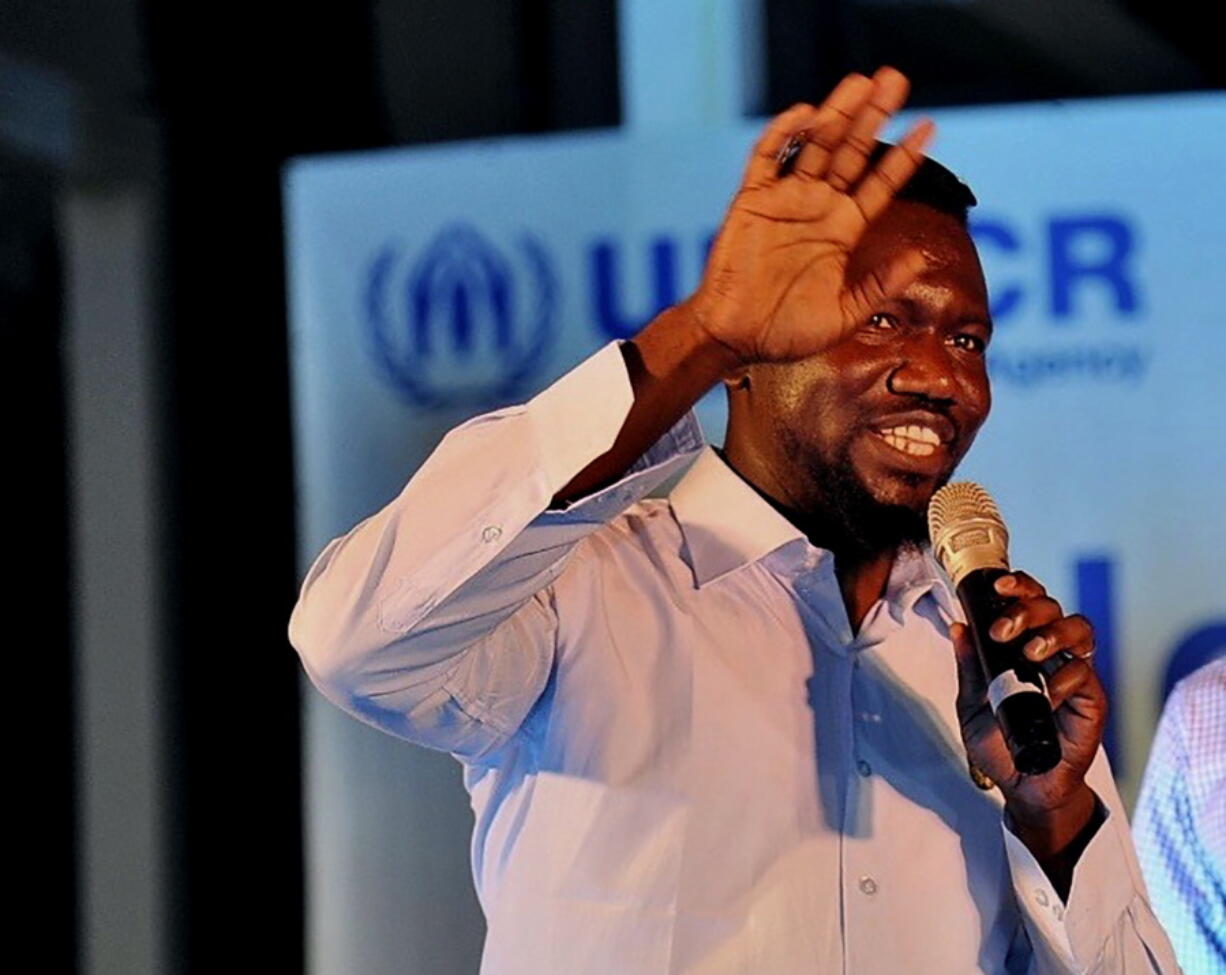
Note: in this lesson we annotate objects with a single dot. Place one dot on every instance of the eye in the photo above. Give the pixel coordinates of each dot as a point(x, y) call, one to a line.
point(882, 320)
point(970, 342)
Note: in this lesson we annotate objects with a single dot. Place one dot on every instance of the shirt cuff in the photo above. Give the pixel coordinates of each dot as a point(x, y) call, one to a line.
point(672, 452)
point(578, 418)
point(1103, 887)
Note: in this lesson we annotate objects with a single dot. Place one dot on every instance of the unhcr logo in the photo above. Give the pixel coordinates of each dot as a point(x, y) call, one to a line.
point(461, 325)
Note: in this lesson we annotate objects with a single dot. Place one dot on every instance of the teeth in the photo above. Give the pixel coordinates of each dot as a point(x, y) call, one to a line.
point(909, 446)
point(914, 439)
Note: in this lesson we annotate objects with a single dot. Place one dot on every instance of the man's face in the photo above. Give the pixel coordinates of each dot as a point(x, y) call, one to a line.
point(875, 424)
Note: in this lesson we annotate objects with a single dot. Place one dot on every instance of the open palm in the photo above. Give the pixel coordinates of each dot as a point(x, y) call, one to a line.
point(775, 287)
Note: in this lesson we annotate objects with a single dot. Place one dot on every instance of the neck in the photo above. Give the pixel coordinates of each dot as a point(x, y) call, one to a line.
point(862, 572)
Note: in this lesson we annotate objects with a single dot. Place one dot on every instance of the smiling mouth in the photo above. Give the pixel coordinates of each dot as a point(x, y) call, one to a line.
point(913, 439)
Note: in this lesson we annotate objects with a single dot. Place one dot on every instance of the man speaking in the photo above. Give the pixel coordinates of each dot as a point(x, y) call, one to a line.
point(728, 731)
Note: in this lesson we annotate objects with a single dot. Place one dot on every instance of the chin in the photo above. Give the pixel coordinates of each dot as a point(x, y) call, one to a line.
point(904, 490)
point(878, 513)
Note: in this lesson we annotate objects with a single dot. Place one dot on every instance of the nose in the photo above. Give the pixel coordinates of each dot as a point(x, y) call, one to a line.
point(923, 369)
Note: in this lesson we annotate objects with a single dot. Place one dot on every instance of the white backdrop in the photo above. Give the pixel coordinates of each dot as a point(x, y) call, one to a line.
point(429, 284)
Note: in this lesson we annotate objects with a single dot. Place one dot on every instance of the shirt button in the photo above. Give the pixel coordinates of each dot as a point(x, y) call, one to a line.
point(868, 886)
point(491, 533)
point(864, 768)
point(1040, 897)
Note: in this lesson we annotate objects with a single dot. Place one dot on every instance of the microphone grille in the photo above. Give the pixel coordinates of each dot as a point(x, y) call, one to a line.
point(966, 530)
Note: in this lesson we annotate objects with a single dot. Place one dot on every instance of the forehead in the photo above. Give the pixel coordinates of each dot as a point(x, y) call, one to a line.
point(946, 245)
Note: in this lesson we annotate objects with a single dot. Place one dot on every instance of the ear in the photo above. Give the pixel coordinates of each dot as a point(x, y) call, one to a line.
point(737, 381)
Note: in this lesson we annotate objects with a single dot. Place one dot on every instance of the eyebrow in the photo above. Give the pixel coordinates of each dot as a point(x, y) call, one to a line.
point(976, 320)
point(912, 309)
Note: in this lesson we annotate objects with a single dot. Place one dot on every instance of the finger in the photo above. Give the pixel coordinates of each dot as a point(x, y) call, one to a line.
point(890, 88)
point(1074, 678)
point(1072, 634)
point(1020, 584)
point(836, 116)
point(972, 685)
point(819, 145)
point(1025, 614)
point(883, 181)
point(764, 160)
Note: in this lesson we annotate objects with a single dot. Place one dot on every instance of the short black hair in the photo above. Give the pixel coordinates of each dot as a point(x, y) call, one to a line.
point(934, 186)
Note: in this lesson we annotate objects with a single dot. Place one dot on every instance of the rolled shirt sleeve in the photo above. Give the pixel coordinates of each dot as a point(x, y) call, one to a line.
point(433, 619)
point(1107, 926)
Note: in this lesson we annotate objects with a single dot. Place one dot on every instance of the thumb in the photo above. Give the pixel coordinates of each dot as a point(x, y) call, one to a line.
point(972, 685)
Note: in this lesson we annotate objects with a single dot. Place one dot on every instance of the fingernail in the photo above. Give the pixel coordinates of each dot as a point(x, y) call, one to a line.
point(1034, 649)
point(1005, 584)
point(1001, 630)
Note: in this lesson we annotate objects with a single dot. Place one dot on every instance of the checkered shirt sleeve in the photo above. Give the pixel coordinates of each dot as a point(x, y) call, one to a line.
point(1180, 823)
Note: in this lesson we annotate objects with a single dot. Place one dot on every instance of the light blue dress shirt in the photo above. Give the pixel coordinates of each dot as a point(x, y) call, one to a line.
point(681, 759)
point(1181, 820)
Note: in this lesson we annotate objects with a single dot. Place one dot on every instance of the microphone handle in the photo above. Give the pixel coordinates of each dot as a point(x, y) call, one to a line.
point(1017, 689)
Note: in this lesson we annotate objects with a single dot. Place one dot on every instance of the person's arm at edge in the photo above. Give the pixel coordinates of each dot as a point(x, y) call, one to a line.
point(1177, 865)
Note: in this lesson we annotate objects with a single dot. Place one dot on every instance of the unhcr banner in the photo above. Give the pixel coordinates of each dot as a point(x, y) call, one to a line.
point(430, 284)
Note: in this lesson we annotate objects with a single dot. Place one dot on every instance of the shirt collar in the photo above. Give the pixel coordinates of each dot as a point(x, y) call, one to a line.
point(915, 574)
point(727, 524)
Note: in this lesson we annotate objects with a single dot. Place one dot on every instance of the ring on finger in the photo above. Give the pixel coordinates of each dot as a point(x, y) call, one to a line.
point(1067, 656)
point(787, 155)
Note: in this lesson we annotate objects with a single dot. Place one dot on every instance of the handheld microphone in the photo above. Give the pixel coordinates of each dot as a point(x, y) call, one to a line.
point(970, 541)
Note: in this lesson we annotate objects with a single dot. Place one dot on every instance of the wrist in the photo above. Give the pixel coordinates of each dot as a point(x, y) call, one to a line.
point(678, 343)
point(714, 321)
point(1049, 831)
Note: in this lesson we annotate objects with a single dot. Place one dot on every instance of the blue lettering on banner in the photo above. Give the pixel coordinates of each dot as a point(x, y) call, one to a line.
point(447, 330)
point(606, 277)
point(1087, 250)
point(1085, 254)
point(1107, 362)
point(460, 296)
point(1006, 299)
point(1088, 257)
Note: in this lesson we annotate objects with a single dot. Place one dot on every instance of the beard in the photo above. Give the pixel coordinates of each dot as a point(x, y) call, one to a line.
point(864, 524)
point(855, 521)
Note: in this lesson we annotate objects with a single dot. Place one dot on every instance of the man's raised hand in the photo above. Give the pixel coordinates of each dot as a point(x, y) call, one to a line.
point(775, 286)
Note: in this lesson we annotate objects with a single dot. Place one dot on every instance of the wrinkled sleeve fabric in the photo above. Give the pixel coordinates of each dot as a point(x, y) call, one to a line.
point(1107, 927)
point(434, 618)
point(1181, 813)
